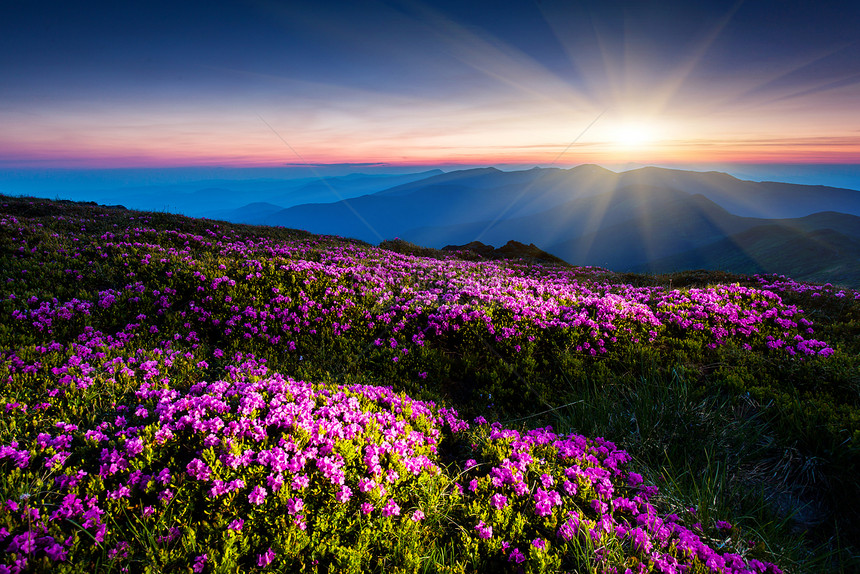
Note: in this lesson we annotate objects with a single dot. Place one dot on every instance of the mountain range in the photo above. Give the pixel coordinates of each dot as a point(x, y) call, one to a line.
point(220, 198)
point(649, 220)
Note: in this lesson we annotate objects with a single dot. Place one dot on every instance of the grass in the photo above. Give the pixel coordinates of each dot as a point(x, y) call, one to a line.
point(724, 454)
point(765, 442)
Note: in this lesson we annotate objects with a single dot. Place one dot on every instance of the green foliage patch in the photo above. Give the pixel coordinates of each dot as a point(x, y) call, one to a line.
point(739, 397)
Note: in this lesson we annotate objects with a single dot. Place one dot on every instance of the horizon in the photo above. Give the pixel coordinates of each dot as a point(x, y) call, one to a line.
point(77, 183)
point(261, 85)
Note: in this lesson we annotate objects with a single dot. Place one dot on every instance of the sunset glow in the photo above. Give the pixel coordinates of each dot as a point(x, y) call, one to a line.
point(634, 135)
point(427, 84)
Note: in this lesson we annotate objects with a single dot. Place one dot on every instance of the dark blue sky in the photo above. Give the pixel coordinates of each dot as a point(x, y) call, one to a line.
point(229, 83)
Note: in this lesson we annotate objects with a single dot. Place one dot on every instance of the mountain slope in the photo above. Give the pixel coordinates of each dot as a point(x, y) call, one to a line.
point(823, 255)
point(632, 227)
point(218, 197)
point(374, 218)
point(565, 221)
point(449, 199)
point(765, 199)
point(478, 201)
point(673, 224)
point(257, 211)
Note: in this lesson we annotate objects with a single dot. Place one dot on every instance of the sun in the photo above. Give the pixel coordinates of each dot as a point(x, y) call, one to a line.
point(633, 134)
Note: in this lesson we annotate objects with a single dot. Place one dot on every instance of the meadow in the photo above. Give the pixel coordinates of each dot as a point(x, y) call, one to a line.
point(186, 395)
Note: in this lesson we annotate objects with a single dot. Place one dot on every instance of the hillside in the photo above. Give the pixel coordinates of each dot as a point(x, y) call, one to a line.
point(765, 199)
point(479, 199)
point(513, 250)
point(183, 393)
point(822, 255)
point(695, 233)
point(588, 215)
point(567, 220)
point(658, 230)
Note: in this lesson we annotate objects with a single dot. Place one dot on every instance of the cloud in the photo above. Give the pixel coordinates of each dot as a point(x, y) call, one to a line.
point(357, 165)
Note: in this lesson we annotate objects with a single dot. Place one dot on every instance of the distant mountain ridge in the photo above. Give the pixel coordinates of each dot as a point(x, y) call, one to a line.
point(649, 218)
point(488, 194)
point(456, 197)
point(228, 198)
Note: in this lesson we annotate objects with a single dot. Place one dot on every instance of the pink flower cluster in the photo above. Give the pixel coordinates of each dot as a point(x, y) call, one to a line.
point(531, 473)
point(254, 433)
point(404, 298)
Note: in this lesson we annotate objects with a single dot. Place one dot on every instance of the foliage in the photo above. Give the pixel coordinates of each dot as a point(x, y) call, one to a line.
point(157, 415)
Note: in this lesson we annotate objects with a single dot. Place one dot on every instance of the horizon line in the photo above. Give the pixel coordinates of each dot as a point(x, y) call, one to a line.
point(81, 166)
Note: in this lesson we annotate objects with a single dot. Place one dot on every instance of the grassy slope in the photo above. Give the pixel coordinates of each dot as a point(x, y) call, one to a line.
point(773, 444)
point(822, 255)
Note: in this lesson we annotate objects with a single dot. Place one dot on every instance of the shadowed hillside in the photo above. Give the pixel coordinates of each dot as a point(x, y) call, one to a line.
point(823, 255)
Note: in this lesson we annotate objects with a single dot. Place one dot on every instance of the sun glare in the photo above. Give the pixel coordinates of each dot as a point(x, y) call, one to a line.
point(633, 135)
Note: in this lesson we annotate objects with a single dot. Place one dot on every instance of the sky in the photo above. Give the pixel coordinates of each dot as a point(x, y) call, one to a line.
point(396, 83)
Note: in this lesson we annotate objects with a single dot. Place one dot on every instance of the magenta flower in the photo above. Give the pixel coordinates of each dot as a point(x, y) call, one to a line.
point(499, 501)
point(569, 529)
point(258, 495)
point(295, 505)
point(484, 531)
point(640, 540)
point(198, 469)
point(56, 552)
point(300, 482)
point(266, 558)
point(545, 500)
point(391, 509)
point(344, 494)
point(236, 525)
point(723, 525)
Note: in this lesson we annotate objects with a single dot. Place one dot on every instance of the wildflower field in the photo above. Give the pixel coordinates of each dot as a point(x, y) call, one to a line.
point(184, 395)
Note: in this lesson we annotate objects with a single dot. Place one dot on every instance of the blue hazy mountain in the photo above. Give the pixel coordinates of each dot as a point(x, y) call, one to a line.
point(215, 198)
point(822, 255)
point(675, 225)
point(766, 199)
point(545, 206)
point(252, 212)
point(643, 219)
point(592, 216)
point(460, 197)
